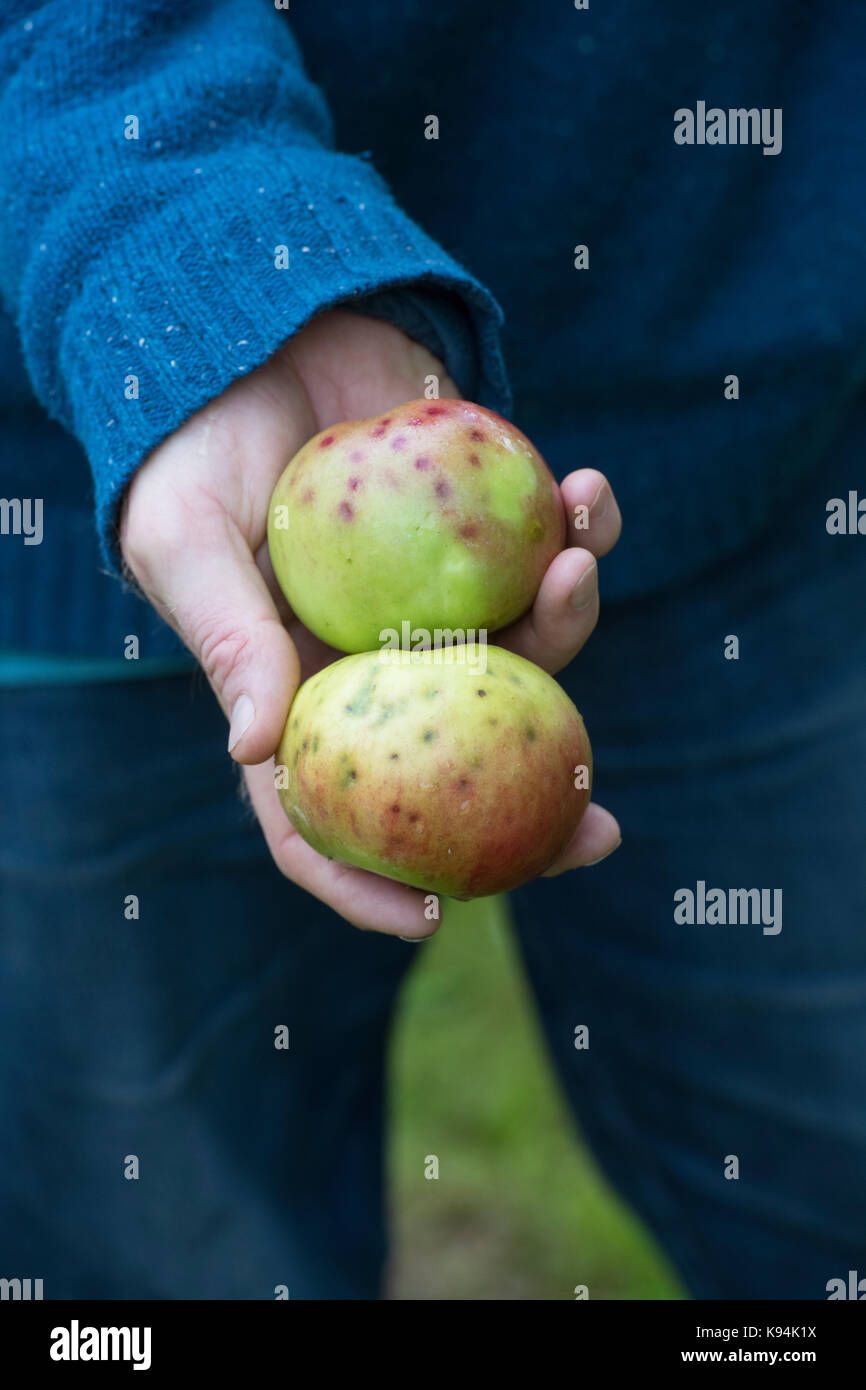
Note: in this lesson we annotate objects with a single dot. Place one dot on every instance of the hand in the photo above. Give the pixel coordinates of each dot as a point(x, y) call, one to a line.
point(561, 619)
point(193, 532)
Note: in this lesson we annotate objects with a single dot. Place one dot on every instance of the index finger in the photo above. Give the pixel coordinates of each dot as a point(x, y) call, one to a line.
point(365, 899)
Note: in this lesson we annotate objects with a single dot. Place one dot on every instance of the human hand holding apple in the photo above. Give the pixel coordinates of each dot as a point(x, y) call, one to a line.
point(193, 532)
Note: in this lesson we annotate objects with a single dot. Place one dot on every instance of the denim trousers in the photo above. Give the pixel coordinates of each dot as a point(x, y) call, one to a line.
point(149, 949)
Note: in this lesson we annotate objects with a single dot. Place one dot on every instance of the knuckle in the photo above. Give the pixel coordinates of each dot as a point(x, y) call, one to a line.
point(222, 652)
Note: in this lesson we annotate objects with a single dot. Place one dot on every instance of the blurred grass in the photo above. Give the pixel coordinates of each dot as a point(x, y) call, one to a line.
point(519, 1210)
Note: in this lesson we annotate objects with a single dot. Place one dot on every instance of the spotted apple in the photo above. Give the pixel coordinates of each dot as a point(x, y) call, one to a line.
point(437, 514)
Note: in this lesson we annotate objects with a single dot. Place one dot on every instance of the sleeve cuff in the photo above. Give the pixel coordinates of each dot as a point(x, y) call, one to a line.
point(212, 305)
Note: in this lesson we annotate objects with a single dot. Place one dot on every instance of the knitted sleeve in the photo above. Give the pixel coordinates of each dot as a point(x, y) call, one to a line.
point(173, 210)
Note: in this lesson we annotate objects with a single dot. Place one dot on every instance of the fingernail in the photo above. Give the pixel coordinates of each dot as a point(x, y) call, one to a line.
point(416, 940)
point(243, 714)
point(599, 504)
point(583, 592)
point(606, 855)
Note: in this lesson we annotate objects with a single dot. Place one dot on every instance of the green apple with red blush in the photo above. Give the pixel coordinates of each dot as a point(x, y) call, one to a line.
point(439, 514)
point(464, 771)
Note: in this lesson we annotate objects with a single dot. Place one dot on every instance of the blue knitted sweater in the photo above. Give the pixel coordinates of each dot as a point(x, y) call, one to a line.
point(155, 154)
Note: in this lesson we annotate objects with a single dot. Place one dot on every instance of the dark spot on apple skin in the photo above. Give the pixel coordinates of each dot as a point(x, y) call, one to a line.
point(378, 430)
point(346, 510)
point(493, 723)
point(360, 704)
point(463, 784)
point(442, 489)
point(395, 809)
point(482, 692)
point(354, 484)
point(530, 736)
point(328, 439)
point(422, 463)
point(536, 530)
point(475, 460)
point(434, 410)
point(398, 442)
point(469, 532)
point(308, 496)
point(356, 456)
point(394, 757)
point(429, 735)
point(477, 435)
point(413, 817)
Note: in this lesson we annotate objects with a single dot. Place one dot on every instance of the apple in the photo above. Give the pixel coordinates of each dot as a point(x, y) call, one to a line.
point(432, 770)
point(438, 514)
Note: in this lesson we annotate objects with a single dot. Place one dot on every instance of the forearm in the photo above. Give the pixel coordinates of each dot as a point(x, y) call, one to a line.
point(175, 211)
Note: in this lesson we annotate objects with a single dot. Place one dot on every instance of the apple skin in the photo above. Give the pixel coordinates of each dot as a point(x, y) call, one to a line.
point(432, 773)
point(437, 513)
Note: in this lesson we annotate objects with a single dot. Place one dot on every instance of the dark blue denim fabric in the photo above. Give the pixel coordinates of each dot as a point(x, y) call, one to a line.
point(155, 1037)
point(716, 1040)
